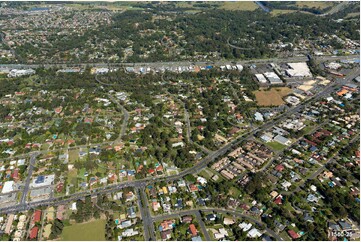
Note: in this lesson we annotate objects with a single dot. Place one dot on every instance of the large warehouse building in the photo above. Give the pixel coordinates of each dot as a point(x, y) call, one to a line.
point(298, 70)
point(273, 78)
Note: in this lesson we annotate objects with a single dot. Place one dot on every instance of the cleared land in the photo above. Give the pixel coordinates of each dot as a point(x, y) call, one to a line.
point(236, 5)
point(271, 97)
point(276, 12)
point(244, 6)
point(317, 4)
point(93, 231)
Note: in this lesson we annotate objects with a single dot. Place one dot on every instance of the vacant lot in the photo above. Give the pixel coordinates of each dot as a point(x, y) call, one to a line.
point(243, 6)
point(276, 12)
point(93, 231)
point(271, 97)
point(314, 4)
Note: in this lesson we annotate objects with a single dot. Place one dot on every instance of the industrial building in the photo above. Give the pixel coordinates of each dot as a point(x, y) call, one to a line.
point(273, 78)
point(18, 73)
point(261, 78)
point(298, 70)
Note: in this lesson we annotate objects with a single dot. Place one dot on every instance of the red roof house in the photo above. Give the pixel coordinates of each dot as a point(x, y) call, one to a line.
point(34, 233)
point(278, 200)
point(280, 168)
point(15, 174)
point(193, 188)
point(293, 234)
point(193, 229)
point(159, 168)
point(37, 216)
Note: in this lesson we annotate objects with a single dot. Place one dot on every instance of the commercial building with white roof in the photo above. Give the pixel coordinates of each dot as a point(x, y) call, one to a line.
point(299, 69)
point(8, 187)
point(261, 78)
point(273, 78)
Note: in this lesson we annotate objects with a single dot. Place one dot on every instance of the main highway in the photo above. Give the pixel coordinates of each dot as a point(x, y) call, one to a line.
point(176, 63)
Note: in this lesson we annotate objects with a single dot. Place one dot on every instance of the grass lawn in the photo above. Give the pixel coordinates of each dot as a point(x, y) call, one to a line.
point(285, 236)
point(206, 173)
point(73, 155)
point(308, 129)
point(81, 173)
point(275, 145)
point(45, 147)
point(93, 231)
point(235, 192)
point(289, 207)
point(172, 173)
point(72, 174)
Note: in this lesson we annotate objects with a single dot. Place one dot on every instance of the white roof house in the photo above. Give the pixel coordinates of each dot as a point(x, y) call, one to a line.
point(73, 206)
point(178, 144)
point(21, 162)
point(244, 226)
point(201, 180)
point(254, 233)
point(258, 116)
point(286, 184)
point(129, 232)
point(8, 187)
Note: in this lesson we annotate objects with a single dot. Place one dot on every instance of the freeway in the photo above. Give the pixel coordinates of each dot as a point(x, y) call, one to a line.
point(176, 63)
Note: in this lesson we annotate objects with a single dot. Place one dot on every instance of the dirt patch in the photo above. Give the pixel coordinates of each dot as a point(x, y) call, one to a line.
point(272, 97)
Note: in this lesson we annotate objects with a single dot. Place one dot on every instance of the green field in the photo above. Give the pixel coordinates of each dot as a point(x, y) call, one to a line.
point(93, 231)
point(206, 173)
point(275, 145)
point(73, 155)
point(235, 192)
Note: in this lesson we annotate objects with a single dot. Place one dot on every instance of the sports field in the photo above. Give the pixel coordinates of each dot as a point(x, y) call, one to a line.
point(272, 97)
point(93, 231)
